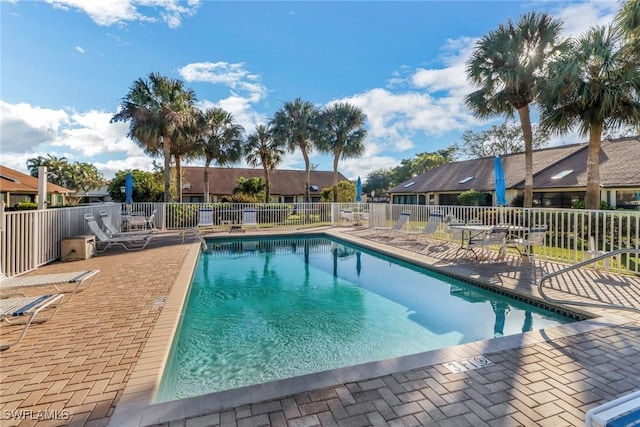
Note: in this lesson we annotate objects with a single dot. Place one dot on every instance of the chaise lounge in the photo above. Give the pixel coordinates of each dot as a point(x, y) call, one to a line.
point(23, 311)
point(73, 279)
point(104, 242)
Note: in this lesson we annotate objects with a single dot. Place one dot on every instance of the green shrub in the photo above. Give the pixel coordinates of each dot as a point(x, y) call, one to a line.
point(26, 206)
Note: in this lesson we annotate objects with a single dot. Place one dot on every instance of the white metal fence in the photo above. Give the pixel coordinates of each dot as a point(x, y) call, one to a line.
point(32, 238)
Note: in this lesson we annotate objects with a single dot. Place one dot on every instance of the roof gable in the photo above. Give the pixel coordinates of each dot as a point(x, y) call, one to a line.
point(13, 181)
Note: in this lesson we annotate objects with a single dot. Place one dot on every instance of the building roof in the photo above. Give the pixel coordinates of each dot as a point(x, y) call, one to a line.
point(222, 181)
point(12, 181)
point(618, 168)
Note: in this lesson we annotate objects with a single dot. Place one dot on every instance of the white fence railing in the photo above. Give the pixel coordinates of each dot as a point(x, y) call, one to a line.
point(30, 239)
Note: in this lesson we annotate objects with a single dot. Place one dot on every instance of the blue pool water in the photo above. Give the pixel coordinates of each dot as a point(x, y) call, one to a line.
point(264, 310)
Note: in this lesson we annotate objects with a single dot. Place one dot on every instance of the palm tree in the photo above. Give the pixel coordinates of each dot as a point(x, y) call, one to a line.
point(628, 21)
point(506, 65)
point(261, 148)
point(341, 132)
point(186, 146)
point(156, 109)
point(220, 140)
point(58, 168)
point(294, 126)
point(594, 86)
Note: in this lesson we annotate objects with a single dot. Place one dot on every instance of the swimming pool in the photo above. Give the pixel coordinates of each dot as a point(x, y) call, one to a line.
point(268, 309)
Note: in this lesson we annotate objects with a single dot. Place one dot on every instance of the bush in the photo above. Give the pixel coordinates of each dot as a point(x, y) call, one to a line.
point(26, 206)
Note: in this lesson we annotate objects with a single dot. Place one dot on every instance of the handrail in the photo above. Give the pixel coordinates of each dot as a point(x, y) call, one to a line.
point(582, 264)
point(203, 241)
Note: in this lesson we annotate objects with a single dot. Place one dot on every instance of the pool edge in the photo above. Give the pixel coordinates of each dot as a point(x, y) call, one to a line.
point(136, 406)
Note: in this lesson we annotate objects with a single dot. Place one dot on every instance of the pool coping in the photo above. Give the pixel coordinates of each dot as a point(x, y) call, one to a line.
point(136, 406)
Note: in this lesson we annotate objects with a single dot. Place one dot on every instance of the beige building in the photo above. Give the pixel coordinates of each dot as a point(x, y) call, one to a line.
point(287, 186)
point(16, 187)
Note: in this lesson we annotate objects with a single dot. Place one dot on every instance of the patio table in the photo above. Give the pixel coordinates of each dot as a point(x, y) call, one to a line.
point(468, 232)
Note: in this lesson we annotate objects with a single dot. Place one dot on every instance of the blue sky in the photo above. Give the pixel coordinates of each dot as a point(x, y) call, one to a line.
point(66, 64)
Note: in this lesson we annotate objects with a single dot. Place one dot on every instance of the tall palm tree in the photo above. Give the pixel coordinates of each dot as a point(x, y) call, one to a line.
point(295, 126)
point(341, 132)
point(506, 65)
point(156, 109)
point(220, 140)
point(594, 86)
point(261, 148)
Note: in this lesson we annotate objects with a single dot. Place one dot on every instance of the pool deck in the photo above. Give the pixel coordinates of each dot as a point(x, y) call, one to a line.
point(96, 363)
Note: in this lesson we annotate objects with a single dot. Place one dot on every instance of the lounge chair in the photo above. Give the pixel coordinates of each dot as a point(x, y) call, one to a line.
point(400, 223)
point(623, 411)
point(249, 218)
point(23, 310)
point(112, 231)
point(73, 279)
point(435, 218)
point(205, 218)
point(130, 243)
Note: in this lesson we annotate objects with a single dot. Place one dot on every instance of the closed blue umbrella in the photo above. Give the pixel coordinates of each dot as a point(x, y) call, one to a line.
point(358, 190)
point(501, 187)
point(128, 189)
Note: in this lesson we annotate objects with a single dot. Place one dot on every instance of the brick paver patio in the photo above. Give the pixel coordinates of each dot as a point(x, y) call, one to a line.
point(75, 367)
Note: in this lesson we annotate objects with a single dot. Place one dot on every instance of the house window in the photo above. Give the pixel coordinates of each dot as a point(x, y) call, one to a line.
point(467, 179)
point(314, 188)
point(409, 184)
point(288, 199)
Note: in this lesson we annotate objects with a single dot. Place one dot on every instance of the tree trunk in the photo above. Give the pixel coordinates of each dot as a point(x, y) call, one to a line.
point(267, 191)
point(336, 158)
point(206, 180)
point(179, 177)
point(592, 197)
point(166, 149)
point(525, 122)
point(307, 165)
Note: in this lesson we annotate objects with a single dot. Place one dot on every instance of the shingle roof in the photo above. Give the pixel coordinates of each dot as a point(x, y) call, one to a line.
point(619, 160)
point(619, 166)
point(17, 182)
point(448, 177)
point(222, 181)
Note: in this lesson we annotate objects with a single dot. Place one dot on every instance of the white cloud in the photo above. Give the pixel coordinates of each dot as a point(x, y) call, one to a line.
point(79, 49)
point(234, 76)
point(395, 118)
point(245, 87)
point(29, 131)
point(91, 134)
point(24, 127)
point(112, 12)
point(579, 17)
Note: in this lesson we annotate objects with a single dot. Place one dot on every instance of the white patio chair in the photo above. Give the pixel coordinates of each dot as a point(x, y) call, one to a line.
point(496, 236)
point(129, 243)
point(23, 311)
point(524, 245)
point(111, 230)
point(58, 281)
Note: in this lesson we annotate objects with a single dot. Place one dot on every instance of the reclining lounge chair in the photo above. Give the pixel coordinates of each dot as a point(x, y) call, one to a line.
point(72, 281)
point(23, 310)
point(104, 242)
